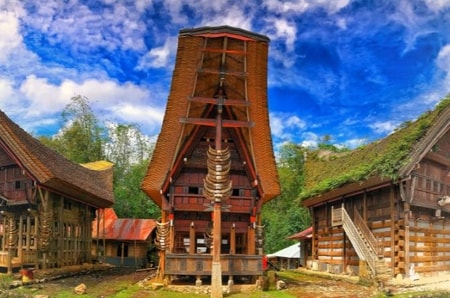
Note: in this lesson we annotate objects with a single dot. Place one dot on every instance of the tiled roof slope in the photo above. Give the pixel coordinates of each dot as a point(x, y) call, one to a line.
point(173, 132)
point(50, 169)
point(391, 158)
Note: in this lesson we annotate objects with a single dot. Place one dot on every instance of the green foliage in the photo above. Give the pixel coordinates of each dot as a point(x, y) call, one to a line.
point(130, 199)
point(5, 281)
point(284, 216)
point(383, 158)
point(83, 139)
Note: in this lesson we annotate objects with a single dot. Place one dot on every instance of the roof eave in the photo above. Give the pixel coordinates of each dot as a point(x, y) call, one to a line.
point(347, 190)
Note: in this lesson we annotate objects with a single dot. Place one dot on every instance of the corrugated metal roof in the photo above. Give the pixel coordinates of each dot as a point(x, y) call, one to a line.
point(290, 252)
point(307, 233)
point(124, 229)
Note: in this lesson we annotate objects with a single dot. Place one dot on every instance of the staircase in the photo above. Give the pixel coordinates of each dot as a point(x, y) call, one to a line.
point(363, 241)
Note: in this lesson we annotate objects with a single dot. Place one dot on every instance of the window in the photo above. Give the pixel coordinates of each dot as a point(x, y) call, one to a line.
point(122, 247)
point(67, 204)
point(193, 190)
point(18, 184)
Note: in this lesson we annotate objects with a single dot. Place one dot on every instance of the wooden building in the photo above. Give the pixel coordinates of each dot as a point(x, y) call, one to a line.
point(305, 239)
point(47, 203)
point(213, 166)
point(382, 210)
point(126, 242)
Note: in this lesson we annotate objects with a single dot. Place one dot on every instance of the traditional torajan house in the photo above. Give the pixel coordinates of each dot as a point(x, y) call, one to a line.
point(213, 166)
point(383, 208)
point(47, 203)
point(124, 242)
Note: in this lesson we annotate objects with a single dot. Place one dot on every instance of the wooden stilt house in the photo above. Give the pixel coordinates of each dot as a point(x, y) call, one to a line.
point(213, 165)
point(47, 203)
point(383, 209)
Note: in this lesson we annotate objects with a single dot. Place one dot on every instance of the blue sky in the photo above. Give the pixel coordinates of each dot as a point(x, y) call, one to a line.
point(353, 70)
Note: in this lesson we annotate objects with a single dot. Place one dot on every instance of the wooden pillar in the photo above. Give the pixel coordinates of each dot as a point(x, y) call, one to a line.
point(192, 239)
point(20, 240)
point(232, 239)
point(251, 240)
point(5, 223)
point(393, 230)
point(162, 253)
point(35, 246)
point(61, 253)
point(406, 240)
point(104, 235)
point(28, 232)
point(97, 251)
point(10, 248)
point(122, 252)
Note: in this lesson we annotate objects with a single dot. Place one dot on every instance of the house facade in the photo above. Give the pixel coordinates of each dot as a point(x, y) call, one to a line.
point(213, 166)
point(47, 203)
point(125, 242)
point(383, 210)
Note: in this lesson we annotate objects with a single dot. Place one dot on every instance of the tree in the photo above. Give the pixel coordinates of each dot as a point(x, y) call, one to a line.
point(130, 199)
point(130, 151)
point(284, 215)
point(81, 138)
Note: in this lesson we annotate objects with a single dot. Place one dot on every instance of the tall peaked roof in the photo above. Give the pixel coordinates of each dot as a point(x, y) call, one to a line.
point(51, 170)
point(199, 71)
point(388, 160)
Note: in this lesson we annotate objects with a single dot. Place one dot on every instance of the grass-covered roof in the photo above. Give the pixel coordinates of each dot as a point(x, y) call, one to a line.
point(384, 158)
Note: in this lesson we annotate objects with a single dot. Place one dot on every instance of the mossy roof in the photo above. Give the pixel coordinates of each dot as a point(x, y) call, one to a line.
point(389, 159)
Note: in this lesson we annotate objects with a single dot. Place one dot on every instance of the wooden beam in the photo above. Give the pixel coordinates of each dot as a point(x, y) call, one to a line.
point(213, 122)
point(233, 52)
point(215, 71)
point(227, 102)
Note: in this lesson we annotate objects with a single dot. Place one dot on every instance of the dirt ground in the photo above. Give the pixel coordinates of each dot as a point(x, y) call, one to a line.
point(115, 282)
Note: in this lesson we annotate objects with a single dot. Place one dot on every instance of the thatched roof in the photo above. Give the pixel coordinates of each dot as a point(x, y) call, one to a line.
point(388, 160)
point(174, 133)
point(51, 170)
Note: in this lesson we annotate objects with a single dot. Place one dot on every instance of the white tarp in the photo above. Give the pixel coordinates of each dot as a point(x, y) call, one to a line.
point(290, 252)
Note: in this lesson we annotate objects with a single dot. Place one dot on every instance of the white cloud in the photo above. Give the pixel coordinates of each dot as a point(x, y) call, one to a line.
point(310, 139)
point(300, 6)
point(437, 5)
point(416, 25)
point(127, 102)
point(10, 38)
point(144, 115)
point(384, 127)
point(160, 56)
point(284, 30)
point(283, 126)
point(81, 27)
point(355, 143)
point(443, 59)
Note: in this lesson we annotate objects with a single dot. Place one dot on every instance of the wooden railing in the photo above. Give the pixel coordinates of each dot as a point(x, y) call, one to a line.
point(201, 264)
point(366, 233)
point(363, 242)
